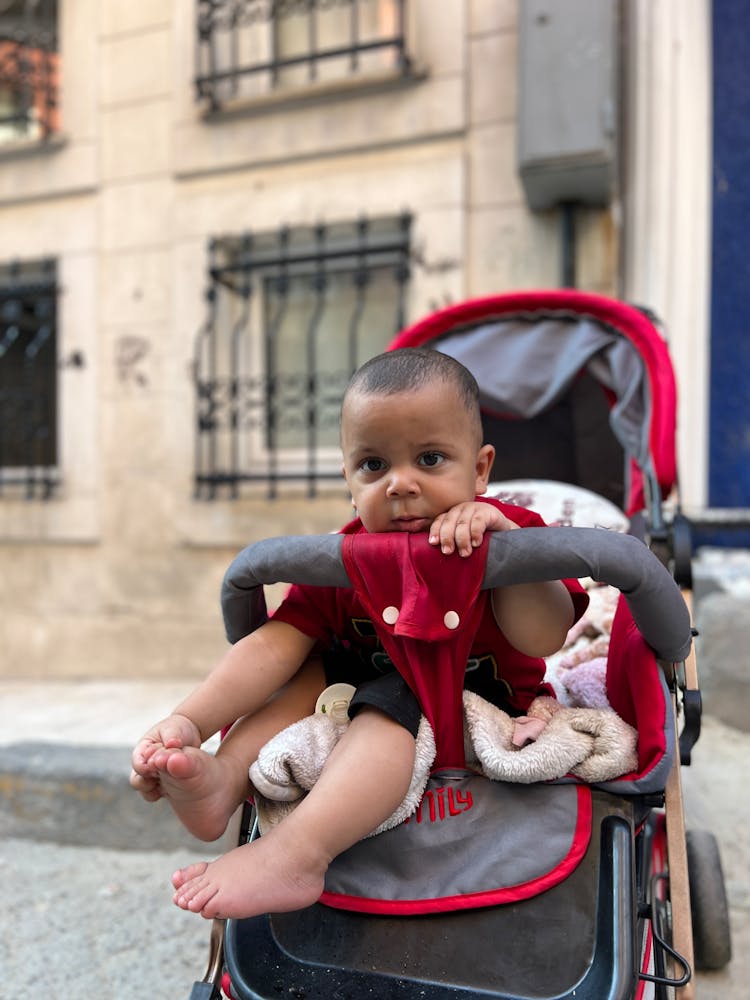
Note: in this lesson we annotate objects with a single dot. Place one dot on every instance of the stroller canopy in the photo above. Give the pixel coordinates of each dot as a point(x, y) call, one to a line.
point(528, 350)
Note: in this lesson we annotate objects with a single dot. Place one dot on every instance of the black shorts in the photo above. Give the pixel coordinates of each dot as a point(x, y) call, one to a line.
point(386, 691)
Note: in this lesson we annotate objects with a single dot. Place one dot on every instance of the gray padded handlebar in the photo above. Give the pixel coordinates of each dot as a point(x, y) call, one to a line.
point(655, 601)
point(529, 555)
point(306, 559)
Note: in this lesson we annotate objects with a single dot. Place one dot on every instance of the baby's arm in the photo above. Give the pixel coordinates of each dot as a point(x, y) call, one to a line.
point(534, 617)
point(244, 679)
point(246, 676)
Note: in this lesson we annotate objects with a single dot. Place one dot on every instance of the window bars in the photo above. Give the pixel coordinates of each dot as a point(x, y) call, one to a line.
point(28, 377)
point(29, 69)
point(251, 48)
point(291, 315)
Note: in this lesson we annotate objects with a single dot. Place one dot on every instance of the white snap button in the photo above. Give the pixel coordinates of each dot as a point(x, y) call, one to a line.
point(451, 620)
point(390, 615)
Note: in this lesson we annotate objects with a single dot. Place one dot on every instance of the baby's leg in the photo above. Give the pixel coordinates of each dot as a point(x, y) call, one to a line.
point(205, 790)
point(364, 780)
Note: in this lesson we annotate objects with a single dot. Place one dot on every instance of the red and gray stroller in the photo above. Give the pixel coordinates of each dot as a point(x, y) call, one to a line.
point(554, 889)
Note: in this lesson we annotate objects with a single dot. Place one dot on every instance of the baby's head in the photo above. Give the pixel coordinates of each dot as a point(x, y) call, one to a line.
point(411, 437)
point(410, 369)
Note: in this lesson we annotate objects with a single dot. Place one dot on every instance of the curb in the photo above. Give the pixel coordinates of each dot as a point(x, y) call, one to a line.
point(80, 795)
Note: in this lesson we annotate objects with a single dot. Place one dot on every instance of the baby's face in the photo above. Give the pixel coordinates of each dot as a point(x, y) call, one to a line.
point(411, 456)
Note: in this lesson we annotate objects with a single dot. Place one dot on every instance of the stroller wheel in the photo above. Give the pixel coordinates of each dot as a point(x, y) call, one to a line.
point(712, 941)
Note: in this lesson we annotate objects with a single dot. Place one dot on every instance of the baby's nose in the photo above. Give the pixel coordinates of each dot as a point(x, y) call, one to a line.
point(402, 482)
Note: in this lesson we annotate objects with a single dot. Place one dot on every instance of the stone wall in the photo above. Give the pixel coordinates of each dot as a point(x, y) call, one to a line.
point(118, 574)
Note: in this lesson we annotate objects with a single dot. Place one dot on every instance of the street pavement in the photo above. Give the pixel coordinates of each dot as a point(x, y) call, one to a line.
point(85, 920)
point(85, 864)
point(95, 922)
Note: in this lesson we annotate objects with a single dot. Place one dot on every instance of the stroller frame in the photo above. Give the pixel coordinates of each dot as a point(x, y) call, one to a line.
point(637, 871)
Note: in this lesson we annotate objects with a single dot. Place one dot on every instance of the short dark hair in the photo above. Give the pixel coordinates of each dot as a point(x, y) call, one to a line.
point(409, 368)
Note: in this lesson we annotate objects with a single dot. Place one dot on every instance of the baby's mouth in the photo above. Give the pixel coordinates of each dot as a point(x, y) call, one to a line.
point(412, 524)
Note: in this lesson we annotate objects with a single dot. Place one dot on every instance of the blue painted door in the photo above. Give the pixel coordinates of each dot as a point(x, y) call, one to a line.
point(729, 431)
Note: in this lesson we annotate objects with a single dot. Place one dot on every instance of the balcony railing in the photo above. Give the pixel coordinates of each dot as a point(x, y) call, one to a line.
point(253, 48)
point(29, 71)
point(291, 315)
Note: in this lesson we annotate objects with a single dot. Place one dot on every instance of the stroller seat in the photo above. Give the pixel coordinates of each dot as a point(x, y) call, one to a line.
point(579, 950)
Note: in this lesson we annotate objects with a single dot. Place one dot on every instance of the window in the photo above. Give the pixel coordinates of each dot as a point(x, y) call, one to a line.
point(28, 70)
point(291, 315)
point(252, 48)
point(28, 377)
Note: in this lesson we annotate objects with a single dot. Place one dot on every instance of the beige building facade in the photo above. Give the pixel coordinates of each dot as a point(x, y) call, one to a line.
point(116, 571)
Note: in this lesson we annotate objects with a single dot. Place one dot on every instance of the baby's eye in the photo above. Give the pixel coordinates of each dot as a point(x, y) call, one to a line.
point(372, 465)
point(431, 458)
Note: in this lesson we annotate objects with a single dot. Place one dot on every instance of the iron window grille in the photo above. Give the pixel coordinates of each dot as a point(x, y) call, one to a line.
point(291, 315)
point(29, 69)
point(251, 48)
point(28, 377)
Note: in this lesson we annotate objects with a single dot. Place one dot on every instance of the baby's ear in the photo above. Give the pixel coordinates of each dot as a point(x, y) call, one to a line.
point(485, 458)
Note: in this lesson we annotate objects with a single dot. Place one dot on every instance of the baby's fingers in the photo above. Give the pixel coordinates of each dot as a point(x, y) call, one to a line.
point(455, 530)
point(435, 529)
point(148, 787)
point(470, 531)
point(443, 532)
point(467, 534)
point(141, 757)
point(147, 756)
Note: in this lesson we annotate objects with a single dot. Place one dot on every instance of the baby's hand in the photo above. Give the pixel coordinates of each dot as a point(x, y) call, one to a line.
point(527, 730)
point(462, 527)
point(173, 733)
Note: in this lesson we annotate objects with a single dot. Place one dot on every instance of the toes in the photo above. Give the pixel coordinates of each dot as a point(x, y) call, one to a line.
point(202, 899)
point(212, 910)
point(176, 763)
point(186, 893)
point(158, 759)
point(195, 895)
point(181, 765)
point(183, 875)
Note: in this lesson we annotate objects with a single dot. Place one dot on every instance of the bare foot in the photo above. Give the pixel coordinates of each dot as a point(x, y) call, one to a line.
point(265, 876)
point(203, 790)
